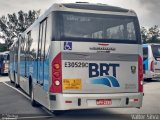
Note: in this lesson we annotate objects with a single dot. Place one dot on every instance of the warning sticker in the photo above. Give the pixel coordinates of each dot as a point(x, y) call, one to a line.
point(72, 84)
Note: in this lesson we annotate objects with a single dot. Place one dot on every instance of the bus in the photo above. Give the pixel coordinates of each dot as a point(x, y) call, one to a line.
point(4, 61)
point(151, 61)
point(80, 56)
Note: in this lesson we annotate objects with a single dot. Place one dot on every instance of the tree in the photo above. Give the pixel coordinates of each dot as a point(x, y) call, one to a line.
point(154, 34)
point(144, 34)
point(14, 24)
point(150, 35)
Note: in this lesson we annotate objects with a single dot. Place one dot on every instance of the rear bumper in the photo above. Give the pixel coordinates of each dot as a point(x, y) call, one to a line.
point(88, 101)
point(152, 75)
point(4, 71)
point(155, 75)
point(147, 75)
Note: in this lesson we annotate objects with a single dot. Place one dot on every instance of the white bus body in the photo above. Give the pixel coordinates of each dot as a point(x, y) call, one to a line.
point(82, 56)
point(151, 61)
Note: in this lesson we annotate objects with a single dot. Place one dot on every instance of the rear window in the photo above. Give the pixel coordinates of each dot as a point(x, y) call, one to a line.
point(156, 51)
point(99, 27)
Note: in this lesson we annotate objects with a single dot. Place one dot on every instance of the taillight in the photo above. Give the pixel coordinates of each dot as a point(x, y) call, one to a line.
point(152, 66)
point(56, 86)
point(140, 74)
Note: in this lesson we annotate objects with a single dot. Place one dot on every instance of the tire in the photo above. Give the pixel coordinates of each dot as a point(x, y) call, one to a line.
point(9, 75)
point(11, 81)
point(15, 84)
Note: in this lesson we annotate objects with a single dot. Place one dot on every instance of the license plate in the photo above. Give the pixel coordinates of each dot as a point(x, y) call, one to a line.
point(104, 102)
point(72, 84)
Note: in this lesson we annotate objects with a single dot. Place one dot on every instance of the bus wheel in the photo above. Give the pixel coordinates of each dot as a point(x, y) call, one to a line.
point(15, 84)
point(11, 81)
point(33, 102)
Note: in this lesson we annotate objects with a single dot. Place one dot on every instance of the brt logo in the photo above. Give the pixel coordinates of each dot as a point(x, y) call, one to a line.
point(101, 69)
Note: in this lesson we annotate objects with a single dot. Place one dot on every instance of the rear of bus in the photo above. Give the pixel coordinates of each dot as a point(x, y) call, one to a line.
point(96, 58)
point(4, 63)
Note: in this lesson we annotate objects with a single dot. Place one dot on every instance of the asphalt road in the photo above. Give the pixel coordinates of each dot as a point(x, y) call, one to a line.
point(15, 103)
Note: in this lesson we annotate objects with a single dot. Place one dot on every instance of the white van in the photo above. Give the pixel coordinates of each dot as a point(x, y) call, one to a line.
point(151, 61)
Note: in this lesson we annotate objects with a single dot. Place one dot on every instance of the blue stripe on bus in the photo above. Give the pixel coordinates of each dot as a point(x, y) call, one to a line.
point(145, 63)
point(31, 70)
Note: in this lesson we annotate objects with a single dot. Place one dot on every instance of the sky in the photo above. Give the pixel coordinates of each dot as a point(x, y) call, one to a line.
point(147, 10)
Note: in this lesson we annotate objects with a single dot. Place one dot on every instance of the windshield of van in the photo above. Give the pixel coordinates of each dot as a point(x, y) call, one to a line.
point(99, 27)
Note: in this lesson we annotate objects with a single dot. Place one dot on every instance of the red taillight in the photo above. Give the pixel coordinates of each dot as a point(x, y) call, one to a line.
point(140, 74)
point(152, 66)
point(56, 86)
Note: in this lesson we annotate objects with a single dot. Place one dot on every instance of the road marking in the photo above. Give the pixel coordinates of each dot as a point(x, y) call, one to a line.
point(50, 113)
point(17, 90)
point(35, 117)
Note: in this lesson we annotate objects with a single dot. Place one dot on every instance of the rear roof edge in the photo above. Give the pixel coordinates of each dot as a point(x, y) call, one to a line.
point(99, 6)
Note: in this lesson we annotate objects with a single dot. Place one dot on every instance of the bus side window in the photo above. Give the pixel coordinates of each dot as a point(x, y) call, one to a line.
point(33, 43)
point(48, 34)
point(42, 40)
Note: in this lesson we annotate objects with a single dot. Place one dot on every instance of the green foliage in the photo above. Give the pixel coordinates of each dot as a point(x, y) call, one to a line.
point(151, 35)
point(144, 34)
point(14, 24)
